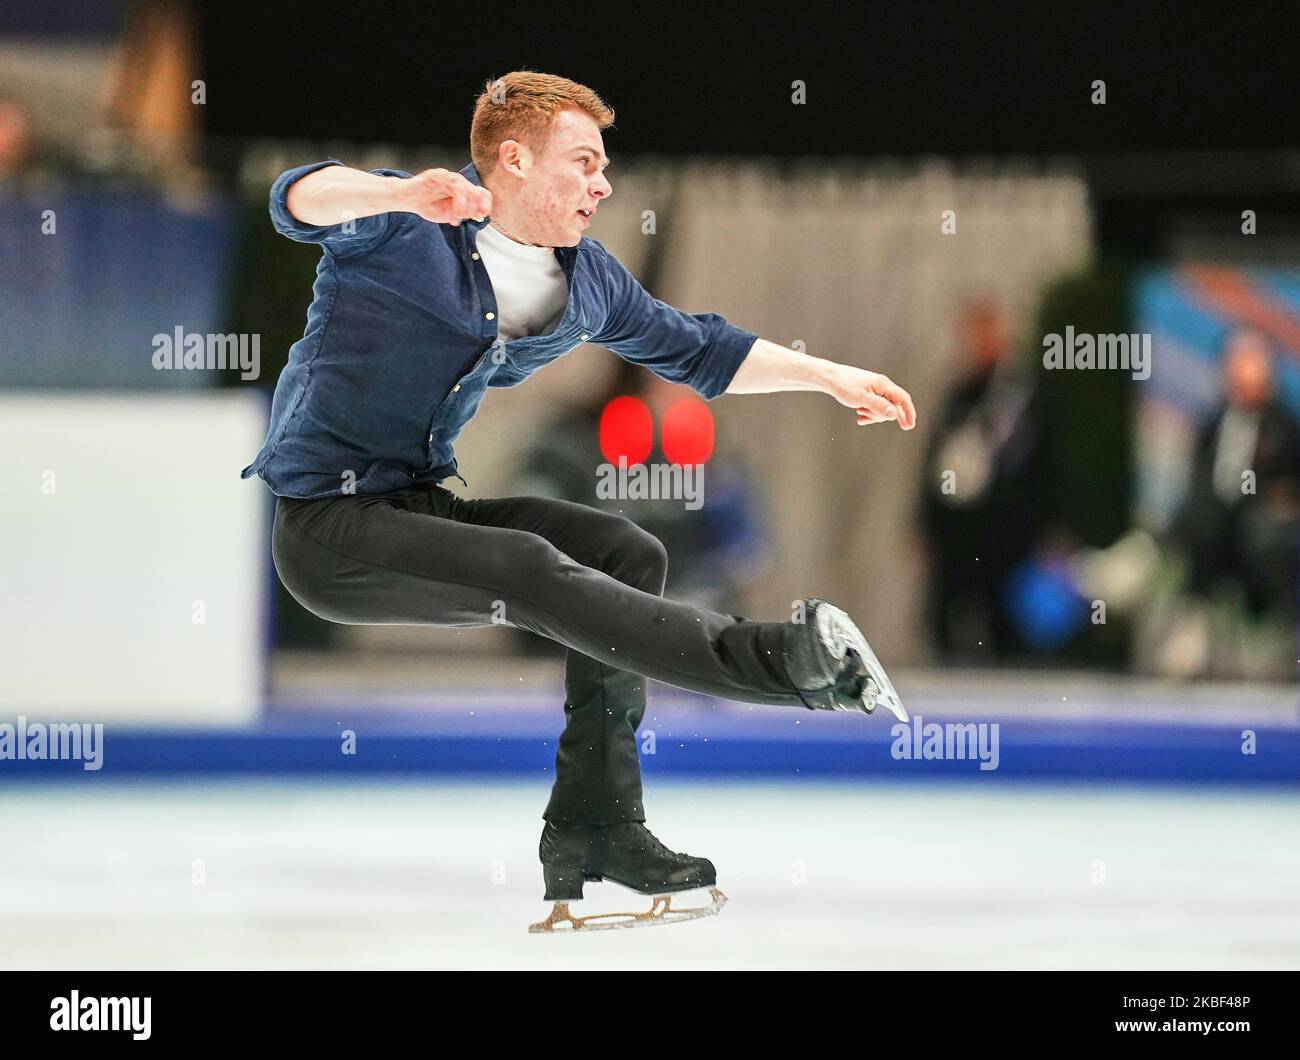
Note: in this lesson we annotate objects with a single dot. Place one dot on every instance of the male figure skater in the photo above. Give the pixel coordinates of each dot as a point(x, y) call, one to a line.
point(435, 286)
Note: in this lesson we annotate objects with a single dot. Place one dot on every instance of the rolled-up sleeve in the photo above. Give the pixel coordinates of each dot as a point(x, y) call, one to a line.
point(348, 236)
point(701, 350)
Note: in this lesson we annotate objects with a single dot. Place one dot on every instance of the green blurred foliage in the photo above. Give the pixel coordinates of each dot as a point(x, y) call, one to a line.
point(1089, 411)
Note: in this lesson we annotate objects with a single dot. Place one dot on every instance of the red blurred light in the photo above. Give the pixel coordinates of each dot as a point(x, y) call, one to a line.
point(687, 436)
point(626, 430)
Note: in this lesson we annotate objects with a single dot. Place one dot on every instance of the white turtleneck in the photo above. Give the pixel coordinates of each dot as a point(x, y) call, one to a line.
point(529, 284)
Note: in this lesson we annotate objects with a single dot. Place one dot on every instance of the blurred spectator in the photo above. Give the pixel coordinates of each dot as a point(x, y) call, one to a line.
point(983, 495)
point(1240, 519)
point(714, 552)
point(15, 139)
point(150, 94)
point(127, 113)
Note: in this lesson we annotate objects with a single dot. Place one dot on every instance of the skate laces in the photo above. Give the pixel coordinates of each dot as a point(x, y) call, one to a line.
point(653, 844)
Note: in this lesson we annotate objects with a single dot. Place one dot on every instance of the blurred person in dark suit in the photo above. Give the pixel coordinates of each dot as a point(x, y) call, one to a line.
point(1240, 519)
point(982, 496)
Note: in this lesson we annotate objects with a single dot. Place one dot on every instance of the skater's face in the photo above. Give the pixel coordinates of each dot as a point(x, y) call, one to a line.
point(555, 185)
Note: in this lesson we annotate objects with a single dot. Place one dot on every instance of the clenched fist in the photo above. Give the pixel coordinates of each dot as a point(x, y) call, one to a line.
point(444, 197)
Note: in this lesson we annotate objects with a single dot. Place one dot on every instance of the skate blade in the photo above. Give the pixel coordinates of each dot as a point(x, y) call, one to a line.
point(886, 693)
point(661, 911)
point(879, 688)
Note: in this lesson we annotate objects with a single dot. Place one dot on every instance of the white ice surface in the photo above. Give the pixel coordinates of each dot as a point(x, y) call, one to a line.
point(438, 875)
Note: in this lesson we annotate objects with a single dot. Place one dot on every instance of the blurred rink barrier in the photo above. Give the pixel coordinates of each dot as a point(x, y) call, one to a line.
point(135, 574)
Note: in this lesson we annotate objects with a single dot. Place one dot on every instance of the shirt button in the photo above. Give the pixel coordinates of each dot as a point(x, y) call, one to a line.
point(490, 316)
point(455, 388)
point(474, 255)
point(431, 437)
point(585, 337)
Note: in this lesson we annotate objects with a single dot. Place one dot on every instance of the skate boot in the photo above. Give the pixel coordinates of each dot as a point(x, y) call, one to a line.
point(628, 854)
point(833, 667)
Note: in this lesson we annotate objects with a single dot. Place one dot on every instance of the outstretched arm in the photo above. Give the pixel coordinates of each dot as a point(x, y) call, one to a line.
point(769, 368)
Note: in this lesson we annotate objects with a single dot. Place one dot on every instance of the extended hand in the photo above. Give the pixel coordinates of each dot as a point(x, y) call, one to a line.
point(876, 397)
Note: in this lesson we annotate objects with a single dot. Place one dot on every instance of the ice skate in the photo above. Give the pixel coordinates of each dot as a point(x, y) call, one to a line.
point(628, 854)
point(832, 665)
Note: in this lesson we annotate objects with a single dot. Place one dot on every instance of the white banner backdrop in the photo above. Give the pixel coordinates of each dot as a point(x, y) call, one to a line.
point(133, 559)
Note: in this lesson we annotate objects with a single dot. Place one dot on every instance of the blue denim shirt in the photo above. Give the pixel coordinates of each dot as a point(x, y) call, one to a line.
point(401, 345)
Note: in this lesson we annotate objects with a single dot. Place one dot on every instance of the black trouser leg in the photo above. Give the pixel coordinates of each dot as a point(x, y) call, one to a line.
point(427, 557)
point(597, 763)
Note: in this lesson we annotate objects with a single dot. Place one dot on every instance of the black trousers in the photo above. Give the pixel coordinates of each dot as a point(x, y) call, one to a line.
point(587, 579)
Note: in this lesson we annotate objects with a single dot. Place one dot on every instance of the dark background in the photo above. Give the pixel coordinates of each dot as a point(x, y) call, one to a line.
point(715, 78)
point(1200, 100)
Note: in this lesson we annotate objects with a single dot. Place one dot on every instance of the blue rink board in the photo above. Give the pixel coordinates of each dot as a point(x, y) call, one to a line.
point(770, 744)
